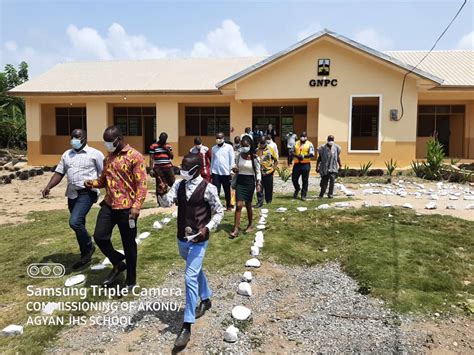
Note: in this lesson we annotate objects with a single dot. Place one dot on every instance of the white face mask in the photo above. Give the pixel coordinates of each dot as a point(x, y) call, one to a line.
point(186, 174)
point(331, 143)
point(76, 143)
point(269, 142)
point(303, 139)
point(199, 146)
point(219, 140)
point(110, 146)
point(245, 149)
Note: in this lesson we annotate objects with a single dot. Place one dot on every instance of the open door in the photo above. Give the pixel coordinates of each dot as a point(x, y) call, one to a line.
point(149, 129)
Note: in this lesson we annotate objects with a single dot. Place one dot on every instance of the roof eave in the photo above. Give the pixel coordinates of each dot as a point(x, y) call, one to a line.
point(114, 92)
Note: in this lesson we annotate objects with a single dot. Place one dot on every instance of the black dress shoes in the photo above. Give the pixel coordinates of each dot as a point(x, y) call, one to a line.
point(112, 276)
point(182, 339)
point(85, 259)
point(202, 308)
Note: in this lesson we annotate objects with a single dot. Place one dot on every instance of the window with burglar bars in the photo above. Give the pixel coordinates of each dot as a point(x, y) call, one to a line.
point(70, 118)
point(207, 120)
point(130, 119)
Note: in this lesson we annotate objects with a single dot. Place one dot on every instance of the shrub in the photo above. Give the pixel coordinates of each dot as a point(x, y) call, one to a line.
point(375, 172)
point(24, 175)
point(391, 167)
point(284, 173)
point(417, 168)
point(364, 168)
point(32, 172)
point(454, 161)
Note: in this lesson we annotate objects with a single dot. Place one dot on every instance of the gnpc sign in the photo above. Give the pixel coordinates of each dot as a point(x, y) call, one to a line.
point(323, 70)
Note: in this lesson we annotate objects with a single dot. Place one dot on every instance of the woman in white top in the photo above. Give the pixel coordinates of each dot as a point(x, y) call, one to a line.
point(247, 168)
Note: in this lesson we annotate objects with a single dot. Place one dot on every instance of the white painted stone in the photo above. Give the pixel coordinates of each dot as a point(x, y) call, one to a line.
point(324, 206)
point(262, 220)
point(349, 193)
point(254, 250)
point(431, 206)
point(434, 197)
point(258, 244)
point(241, 312)
point(259, 237)
point(450, 207)
point(302, 209)
point(157, 225)
point(402, 194)
point(366, 204)
point(282, 209)
point(12, 329)
point(174, 214)
point(342, 204)
point(407, 205)
point(453, 198)
point(261, 226)
point(106, 262)
point(75, 280)
point(264, 210)
point(144, 235)
point(49, 308)
point(470, 206)
point(231, 334)
point(386, 205)
point(247, 276)
point(254, 262)
point(469, 197)
point(166, 220)
point(97, 267)
point(138, 241)
point(244, 289)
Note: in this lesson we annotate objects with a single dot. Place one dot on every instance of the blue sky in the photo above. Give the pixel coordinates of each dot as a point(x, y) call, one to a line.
point(47, 32)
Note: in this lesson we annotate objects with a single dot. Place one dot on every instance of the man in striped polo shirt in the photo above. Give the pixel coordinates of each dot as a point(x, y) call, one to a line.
point(161, 156)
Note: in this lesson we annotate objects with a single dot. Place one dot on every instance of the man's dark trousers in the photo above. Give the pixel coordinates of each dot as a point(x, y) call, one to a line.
point(325, 179)
point(267, 189)
point(224, 180)
point(79, 208)
point(106, 221)
point(303, 171)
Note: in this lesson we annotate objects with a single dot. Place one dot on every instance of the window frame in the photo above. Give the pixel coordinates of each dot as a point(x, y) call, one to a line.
point(379, 137)
point(200, 116)
point(68, 117)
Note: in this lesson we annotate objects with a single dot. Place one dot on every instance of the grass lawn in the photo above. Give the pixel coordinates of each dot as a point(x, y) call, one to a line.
point(415, 263)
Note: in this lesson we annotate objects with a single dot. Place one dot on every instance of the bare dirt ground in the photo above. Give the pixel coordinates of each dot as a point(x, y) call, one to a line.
point(20, 198)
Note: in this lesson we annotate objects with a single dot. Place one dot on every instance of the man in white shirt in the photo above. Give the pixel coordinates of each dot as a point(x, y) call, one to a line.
point(199, 212)
point(79, 164)
point(290, 144)
point(221, 165)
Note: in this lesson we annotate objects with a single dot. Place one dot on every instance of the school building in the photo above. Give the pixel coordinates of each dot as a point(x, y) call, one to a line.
point(324, 84)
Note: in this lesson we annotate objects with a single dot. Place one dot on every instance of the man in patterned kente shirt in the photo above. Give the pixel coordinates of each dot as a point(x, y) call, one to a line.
point(124, 179)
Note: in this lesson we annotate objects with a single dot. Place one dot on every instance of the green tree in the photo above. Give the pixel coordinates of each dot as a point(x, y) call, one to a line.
point(12, 109)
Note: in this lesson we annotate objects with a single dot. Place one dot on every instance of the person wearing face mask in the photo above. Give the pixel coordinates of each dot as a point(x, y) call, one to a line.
point(205, 155)
point(79, 164)
point(328, 165)
point(199, 211)
point(290, 145)
point(161, 161)
point(272, 144)
point(248, 178)
point(268, 162)
point(303, 152)
point(124, 179)
point(271, 131)
point(222, 162)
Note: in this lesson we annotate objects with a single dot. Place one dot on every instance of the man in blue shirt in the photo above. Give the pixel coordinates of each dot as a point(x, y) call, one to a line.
point(221, 165)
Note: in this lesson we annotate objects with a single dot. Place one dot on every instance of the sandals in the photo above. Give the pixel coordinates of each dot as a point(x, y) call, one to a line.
point(234, 234)
point(249, 229)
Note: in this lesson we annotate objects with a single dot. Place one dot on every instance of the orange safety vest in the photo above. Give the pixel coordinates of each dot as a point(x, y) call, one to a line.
point(302, 150)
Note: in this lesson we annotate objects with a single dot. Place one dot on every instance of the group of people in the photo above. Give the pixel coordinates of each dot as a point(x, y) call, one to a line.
point(246, 167)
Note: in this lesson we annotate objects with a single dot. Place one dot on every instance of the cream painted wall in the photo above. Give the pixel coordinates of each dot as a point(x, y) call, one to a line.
point(357, 74)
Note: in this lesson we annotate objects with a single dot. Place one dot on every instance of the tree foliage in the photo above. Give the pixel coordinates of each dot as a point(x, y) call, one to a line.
point(12, 109)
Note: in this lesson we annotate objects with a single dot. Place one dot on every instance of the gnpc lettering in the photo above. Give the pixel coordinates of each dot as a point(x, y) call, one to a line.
point(322, 82)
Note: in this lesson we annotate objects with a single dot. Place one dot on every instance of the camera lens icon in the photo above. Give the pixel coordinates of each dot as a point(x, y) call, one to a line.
point(45, 270)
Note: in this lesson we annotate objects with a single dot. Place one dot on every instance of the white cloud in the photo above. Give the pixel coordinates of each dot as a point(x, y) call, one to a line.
point(373, 39)
point(311, 29)
point(116, 44)
point(226, 41)
point(87, 43)
point(467, 41)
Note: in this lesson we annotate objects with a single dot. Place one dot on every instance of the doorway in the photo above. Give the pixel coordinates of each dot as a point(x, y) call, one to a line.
point(284, 119)
point(149, 129)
